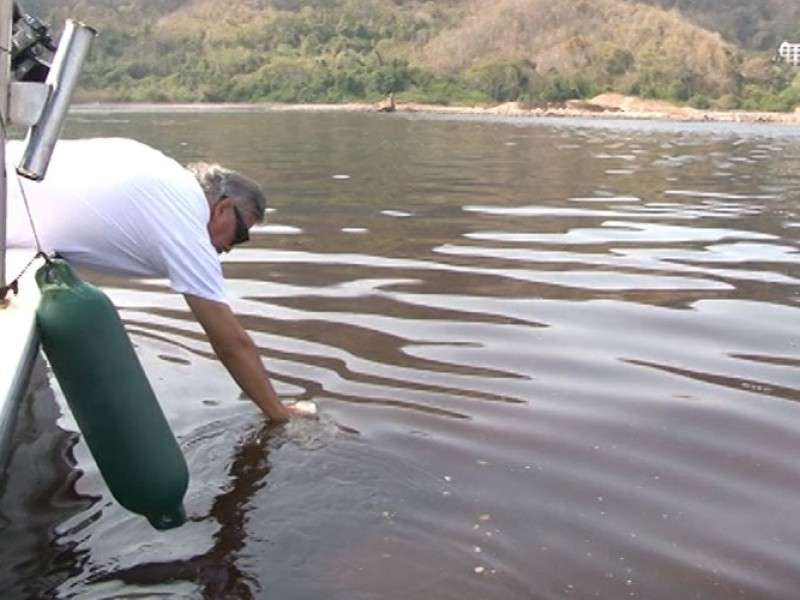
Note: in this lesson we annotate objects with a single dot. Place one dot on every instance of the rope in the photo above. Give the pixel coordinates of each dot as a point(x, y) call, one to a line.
point(13, 286)
point(39, 249)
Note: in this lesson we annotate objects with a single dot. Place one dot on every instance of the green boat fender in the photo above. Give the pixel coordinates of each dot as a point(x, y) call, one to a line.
point(107, 391)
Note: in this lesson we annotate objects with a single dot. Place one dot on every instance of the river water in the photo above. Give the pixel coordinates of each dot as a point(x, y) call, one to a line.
point(553, 359)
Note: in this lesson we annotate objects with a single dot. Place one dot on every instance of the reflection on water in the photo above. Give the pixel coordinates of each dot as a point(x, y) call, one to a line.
point(552, 358)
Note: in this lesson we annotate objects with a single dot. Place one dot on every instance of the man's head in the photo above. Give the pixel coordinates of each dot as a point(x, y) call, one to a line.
point(237, 203)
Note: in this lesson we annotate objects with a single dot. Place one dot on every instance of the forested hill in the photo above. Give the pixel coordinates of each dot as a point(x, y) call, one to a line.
point(703, 52)
point(757, 24)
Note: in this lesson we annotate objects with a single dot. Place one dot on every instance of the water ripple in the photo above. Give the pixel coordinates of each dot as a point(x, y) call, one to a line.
point(559, 359)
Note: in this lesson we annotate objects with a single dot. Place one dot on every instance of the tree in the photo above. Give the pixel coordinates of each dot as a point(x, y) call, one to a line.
point(503, 82)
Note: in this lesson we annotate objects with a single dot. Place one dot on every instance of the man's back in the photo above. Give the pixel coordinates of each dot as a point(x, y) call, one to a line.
point(116, 205)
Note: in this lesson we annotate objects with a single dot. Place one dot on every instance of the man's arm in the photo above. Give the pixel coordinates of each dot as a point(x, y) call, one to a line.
point(238, 353)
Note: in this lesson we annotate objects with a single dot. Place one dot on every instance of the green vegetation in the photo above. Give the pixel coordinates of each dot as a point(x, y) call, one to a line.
point(447, 51)
point(754, 24)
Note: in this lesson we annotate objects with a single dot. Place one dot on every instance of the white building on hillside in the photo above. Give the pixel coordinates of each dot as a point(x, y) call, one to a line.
point(790, 53)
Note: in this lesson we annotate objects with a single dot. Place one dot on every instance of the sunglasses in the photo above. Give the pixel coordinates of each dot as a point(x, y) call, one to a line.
point(242, 234)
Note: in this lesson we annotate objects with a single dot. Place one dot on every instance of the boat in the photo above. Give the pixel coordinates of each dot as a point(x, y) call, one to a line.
point(19, 339)
point(37, 79)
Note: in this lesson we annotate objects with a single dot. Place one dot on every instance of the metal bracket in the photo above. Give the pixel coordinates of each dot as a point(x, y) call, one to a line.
point(26, 102)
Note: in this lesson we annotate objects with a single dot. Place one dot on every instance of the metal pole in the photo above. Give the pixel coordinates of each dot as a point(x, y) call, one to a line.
point(6, 14)
point(73, 47)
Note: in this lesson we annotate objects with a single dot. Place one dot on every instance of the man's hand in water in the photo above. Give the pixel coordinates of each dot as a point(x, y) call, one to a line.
point(302, 408)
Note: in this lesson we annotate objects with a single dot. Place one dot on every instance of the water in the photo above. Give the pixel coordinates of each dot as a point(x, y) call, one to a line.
point(553, 358)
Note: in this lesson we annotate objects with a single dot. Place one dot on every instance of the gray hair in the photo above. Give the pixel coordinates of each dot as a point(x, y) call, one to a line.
point(218, 183)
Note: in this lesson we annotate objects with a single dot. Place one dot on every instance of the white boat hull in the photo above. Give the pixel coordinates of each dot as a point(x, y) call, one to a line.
point(19, 341)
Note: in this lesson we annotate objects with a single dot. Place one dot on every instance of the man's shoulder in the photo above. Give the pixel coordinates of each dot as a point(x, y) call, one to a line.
point(124, 161)
point(104, 142)
point(118, 148)
point(109, 152)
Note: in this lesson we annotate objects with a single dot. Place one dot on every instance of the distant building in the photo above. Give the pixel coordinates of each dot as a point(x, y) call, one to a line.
point(790, 53)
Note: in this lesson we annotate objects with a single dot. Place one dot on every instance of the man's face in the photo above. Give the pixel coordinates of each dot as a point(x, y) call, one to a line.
point(228, 226)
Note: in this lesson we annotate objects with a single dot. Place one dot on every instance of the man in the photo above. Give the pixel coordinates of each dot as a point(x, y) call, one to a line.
point(118, 206)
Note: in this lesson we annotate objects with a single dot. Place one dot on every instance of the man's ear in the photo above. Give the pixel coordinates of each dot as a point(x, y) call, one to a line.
point(221, 206)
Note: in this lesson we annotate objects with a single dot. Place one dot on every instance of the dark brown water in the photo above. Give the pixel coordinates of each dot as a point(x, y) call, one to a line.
point(553, 359)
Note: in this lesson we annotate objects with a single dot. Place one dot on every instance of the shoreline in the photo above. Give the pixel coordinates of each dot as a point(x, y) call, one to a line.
point(605, 106)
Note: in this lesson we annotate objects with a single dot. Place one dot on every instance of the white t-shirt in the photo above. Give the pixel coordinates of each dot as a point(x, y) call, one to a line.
point(118, 206)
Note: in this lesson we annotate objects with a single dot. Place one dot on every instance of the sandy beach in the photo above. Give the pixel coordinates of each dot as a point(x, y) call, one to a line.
point(604, 106)
point(614, 106)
